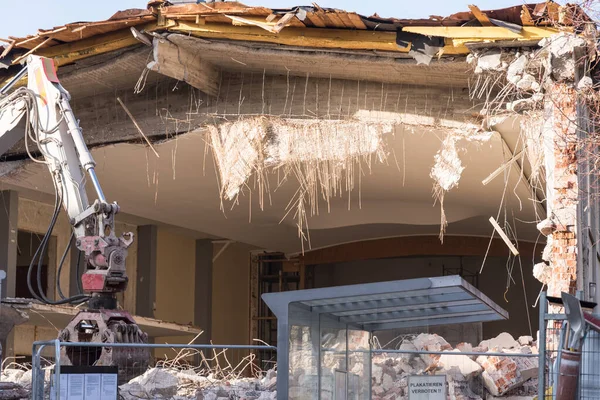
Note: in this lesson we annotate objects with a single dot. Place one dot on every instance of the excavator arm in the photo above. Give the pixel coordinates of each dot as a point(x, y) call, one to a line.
point(41, 114)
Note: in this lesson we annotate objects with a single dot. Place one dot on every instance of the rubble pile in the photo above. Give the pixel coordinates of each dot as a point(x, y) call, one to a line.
point(15, 383)
point(160, 383)
point(469, 377)
point(182, 384)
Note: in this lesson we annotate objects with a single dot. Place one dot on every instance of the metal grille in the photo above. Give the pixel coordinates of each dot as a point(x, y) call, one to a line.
point(554, 332)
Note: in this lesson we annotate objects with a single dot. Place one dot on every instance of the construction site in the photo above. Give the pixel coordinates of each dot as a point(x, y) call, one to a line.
point(211, 201)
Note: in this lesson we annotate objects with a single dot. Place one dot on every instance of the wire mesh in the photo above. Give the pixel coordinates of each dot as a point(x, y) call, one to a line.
point(555, 333)
point(556, 353)
point(174, 371)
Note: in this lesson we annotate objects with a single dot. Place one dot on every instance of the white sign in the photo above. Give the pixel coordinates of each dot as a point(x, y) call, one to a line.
point(87, 383)
point(76, 387)
point(93, 385)
point(109, 386)
point(427, 387)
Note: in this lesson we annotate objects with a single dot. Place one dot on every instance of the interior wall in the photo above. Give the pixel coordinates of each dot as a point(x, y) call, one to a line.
point(175, 265)
point(492, 282)
point(230, 300)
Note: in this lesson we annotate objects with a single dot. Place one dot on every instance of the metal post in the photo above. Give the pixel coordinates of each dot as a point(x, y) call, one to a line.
point(283, 364)
point(2, 277)
point(37, 381)
point(542, 347)
point(57, 369)
point(370, 380)
point(34, 373)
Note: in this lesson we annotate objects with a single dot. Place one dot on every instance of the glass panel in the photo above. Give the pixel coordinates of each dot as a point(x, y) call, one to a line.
point(359, 368)
point(333, 354)
point(304, 355)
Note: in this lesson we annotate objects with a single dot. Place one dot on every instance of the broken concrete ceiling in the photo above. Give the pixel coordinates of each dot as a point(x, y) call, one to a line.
point(102, 60)
point(180, 188)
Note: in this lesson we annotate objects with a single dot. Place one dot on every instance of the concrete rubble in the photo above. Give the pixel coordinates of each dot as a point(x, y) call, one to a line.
point(469, 377)
point(160, 383)
point(177, 384)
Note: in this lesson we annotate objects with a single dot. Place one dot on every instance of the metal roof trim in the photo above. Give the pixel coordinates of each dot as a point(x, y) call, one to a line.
point(393, 304)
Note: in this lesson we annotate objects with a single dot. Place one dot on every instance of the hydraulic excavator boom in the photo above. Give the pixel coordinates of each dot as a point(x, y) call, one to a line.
point(41, 114)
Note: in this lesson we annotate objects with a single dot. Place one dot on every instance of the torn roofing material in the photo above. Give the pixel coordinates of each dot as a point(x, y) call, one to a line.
point(312, 27)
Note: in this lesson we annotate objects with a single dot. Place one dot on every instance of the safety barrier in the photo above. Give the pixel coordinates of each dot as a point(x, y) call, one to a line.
point(174, 370)
point(554, 336)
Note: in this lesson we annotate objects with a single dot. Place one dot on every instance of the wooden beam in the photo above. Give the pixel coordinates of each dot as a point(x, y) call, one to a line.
point(480, 33)
point(306, 37)
point(481, 17)
point(41, 35)
point(19, 59)
point(500, 231)
point(526, 18)
point(502, 168)
point(100, 44)
point(179, 63)
point(239, 21)
point(8, 49)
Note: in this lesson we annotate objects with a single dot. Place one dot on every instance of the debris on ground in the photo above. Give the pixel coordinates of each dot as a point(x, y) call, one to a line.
point(172, 383)
point(469, 377)
point(472, 378)
point(12, 391)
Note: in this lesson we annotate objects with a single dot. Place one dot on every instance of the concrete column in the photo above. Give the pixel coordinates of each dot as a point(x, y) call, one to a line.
point(203, 289)
point(9, 212)
point(146, 270)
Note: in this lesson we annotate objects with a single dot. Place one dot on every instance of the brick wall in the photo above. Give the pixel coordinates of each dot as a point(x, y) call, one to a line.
point(561, 109)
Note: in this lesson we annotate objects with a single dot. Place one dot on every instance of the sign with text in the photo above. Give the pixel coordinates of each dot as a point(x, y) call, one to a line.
point(87, 383)
point(427, 387)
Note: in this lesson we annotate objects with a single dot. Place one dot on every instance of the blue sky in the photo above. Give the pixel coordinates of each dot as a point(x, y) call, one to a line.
point(50, 13)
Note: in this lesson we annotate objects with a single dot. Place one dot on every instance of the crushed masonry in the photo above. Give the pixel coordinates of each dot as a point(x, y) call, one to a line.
point(542, 86)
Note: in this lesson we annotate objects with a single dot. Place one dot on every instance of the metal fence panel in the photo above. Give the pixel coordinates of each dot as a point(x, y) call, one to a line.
point(554, 331)
point(188, 371)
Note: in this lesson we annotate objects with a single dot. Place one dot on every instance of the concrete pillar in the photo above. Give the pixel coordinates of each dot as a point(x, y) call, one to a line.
point(9, 212)
point(146, 271)
point(203, 289)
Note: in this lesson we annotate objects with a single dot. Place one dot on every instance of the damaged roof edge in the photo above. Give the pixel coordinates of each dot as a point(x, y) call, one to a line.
point(312, 27)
